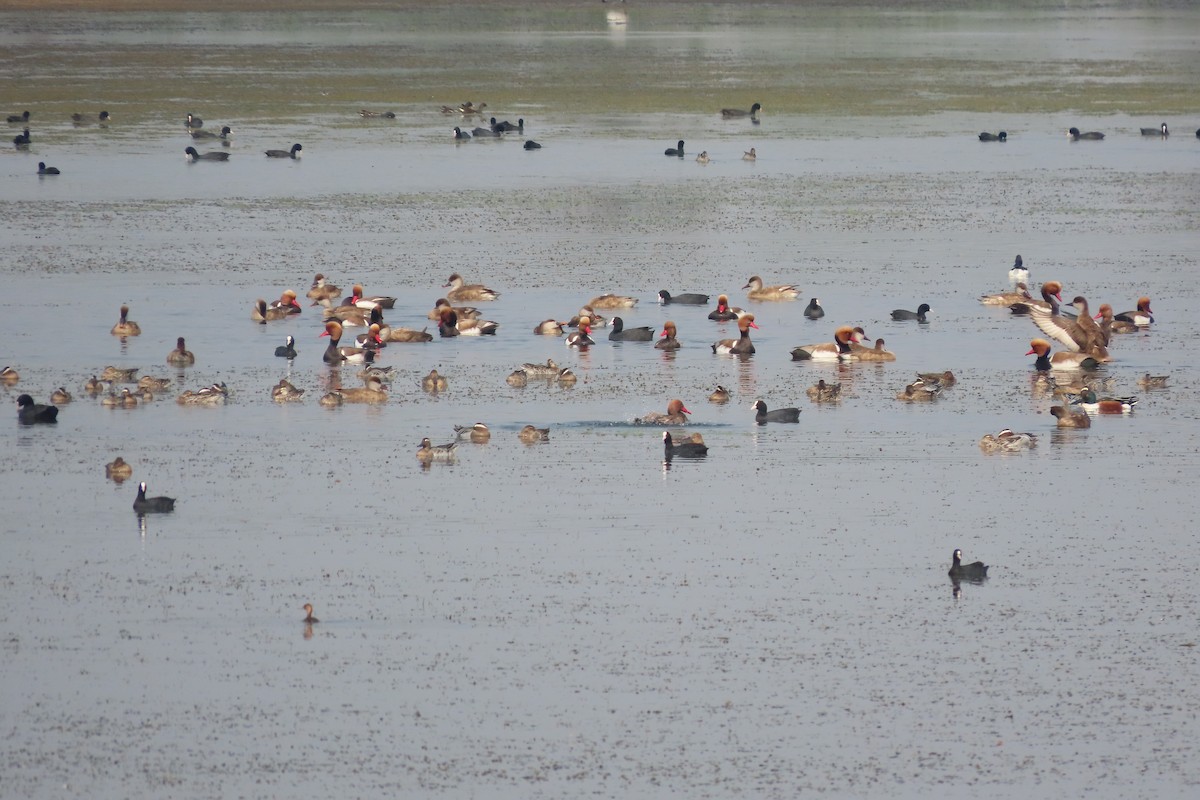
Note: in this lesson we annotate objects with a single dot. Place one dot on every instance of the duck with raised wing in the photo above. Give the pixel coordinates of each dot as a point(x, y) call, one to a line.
point(762, 416)
point(740, 346)
point(676, 415)
point(125, 326)
point(464, 292)
point(760, 292)
point(1079, 335)
point(1051, 297)
point(840, 349)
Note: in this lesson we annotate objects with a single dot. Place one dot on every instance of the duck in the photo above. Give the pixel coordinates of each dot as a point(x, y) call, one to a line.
point(581, 337)
point(1060, 360)
point(211, 155)
point(408, 335)
point(460, 135)
point(23, 139)
point(44, 170)
point(974, 572)
point(742, 345)
point(530, 144)
point(308, 611)
point(322, 290)
point(365, 114)
point(547, 370)
point(331, 399)
point(9, 376)
point(1076, 136)
point(550, 327)
point(1018, 295)
point(518, 379)
point(620, 333)
point(740, 113)
point(1089, 402)
point(1079, 335)
point(676, 415)
point(287, 301)
point(18, 118)
point(724, 312)
point(919, 392)
point(876, 353)
point(439, 452)
point(760, 292)
point(750, 155)
point(293, 153)
point(94, 386)
point(822, 392)
point(813, 310)
point(31, 413)
point(180, 356)
point(118, 470)
point(1141, 316)
point(125, 326)
point(60, 396)
point(102, 118)
point(566, 378)
point(352, 316)
point(692, 447)
point(1109, 325)
point(703, 157)
point(677, 150)
point(214, 395)
point(1007, 440)
point(224, 135)
point(1051, 297)
point(372, 339)
point(1002, 136)
point(359, 299)
point(840, 349)
point(115, 399)
point(262, 313)
point(372, 371)
point(286, 392)
point(464, 312)
point(477, 433)
point(433, 382)
point(113, 374)
point(508, 127)
point(192, 121)
point(287, 349)
point(918, 315)
point(668, 340)
point(1161, 130)
point(612, 301)
point(372, 393)
point(762, 416)
point(451, 325)
point(595, 320)
point(1070, 419)
point(945, 378)
point(152, 505)
point(720, 395)
point(1149, 381)
point(1018, 273)
point(683, 299)
point(467, 292)
point(531, 435)
point(339, 355)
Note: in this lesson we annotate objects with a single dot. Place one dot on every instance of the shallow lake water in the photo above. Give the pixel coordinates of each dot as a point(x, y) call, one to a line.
point(576, 617)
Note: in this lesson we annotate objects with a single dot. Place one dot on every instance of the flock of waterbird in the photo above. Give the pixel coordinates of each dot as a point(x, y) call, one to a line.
point(1083, 340)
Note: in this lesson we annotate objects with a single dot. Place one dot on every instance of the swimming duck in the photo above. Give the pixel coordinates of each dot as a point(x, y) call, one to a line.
point(353, 316)
point(1019, 295)
point(214, 395)
point(1141, 317)
point(224, 135)
point(119, 375)
point(365, 114)
point(822, 392)
point(477, 433)
point(750, 155)
point(1089, 402)
point(1079, 335)
point(287, 349)
point(1051, 297)
point(530, 435)
point(703, 157)
point(152, 505)
point(1070, 419)
point(876, 353)
point(308, 611)
point(287, 301)
point(580, 337)
point(460, 135)
point(566, 378)
point(467, 292)
point(919, 392)
point(612, 301)
point(44, 170)
point(760, 292)
point(322, 290)
point(1161, 130)
point(518, 379)
point(18, 118)
point(125, 326)
point(676, 415)
point(285, 392)
point(262, 313)
point(974, 572)
point(115, 399)
point(719, 395)
point(945, 379)
point(464, 312)
point(180, 356)
point(94, 386)
point(331, 399)
point(451, 325)
point(372, 339)
point(677, 150)
point(211, 155)
point(408, 335)
point(30, 413)
point(668, 340)
point(192, 121)
point(918, 315)
point(292, 154)
point(550, 327)
point(118, 470)
point(739, 113)
point(1007, 440)
point(685, 299)
point(724, 312)
point(1089, 136)
point(742, 345)
point(1149, 381)
point(372, 371)
point(433, 382)
point(813, 310)
point(60, 396)
point(594, 318)
point(1110, 325)
point(432, 452)
point(693, 447)
point(1002, 136)
point(530, 144)
point(23, 139)
point(840, 349)
point(10, 376)
point(372, 393)
point(1018, 274)
point(339, 355)
point(620, 333)
point(762, 416)
point(547, 370)
point(359, 299)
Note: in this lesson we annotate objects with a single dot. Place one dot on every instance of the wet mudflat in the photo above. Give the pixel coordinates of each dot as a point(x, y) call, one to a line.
point(575, 617)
